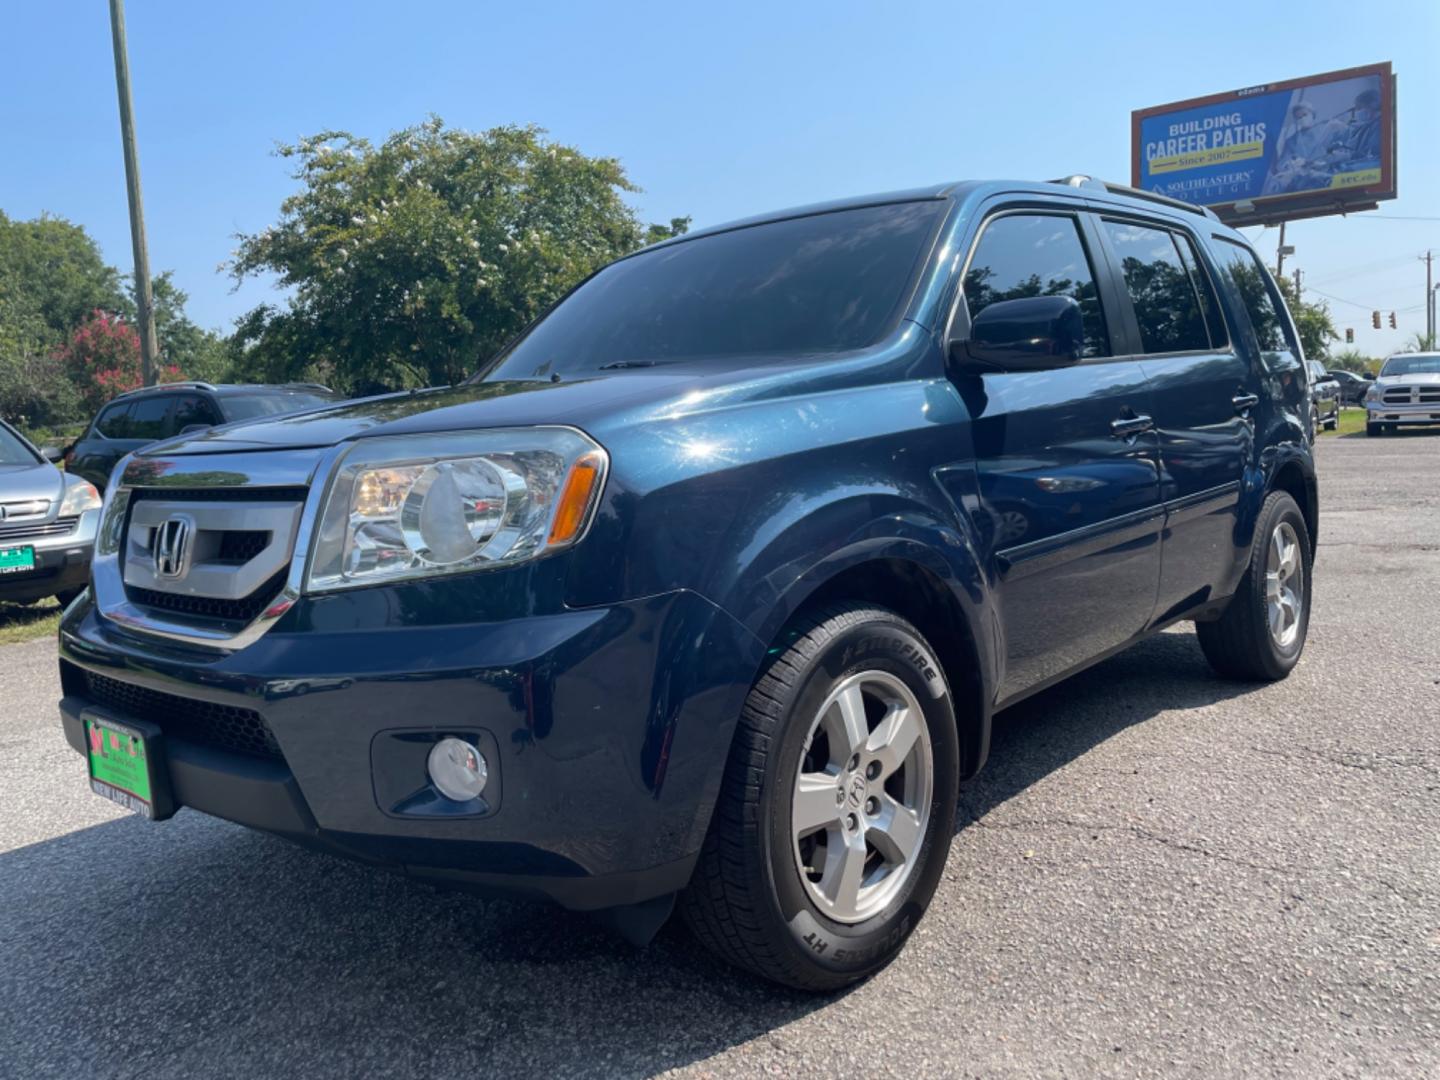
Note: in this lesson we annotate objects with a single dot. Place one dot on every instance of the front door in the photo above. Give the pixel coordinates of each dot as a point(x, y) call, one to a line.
point(1066, 462)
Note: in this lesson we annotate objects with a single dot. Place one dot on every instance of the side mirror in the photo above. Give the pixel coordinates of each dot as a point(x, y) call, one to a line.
point(51, 454)
point(1035, 333)
point(190, 429)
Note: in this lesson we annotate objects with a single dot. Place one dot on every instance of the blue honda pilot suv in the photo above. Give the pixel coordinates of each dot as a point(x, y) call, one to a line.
point(707, 587)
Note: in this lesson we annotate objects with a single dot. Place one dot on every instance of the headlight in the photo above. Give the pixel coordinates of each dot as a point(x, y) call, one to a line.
point(1373, 393)
point(79, 497)
point(418, 506)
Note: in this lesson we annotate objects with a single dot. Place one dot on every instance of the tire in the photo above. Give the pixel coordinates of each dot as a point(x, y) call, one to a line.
point(1314, 422)
point(67, 596)
point(1333, 424)
point(750, 902)
point(1373, 430)
point(1241, 644)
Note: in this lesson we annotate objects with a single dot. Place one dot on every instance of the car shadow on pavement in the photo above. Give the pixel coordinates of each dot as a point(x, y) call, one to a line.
point(195, 947)
point(1032, 739)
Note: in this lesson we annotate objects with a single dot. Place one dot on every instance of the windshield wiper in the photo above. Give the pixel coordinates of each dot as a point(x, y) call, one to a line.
point(616, 364)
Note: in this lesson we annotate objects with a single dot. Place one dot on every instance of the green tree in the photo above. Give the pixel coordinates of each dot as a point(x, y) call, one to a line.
point(56, 267)
point(410, 262)
point(1313, 322)
point(199, 353)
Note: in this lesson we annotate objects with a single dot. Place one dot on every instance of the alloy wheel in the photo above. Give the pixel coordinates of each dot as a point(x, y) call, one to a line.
point(1284, 585)
point(861, 802)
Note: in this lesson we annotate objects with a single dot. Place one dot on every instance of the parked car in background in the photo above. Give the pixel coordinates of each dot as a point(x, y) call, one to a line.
point(144, 416)
point(1324, 397)
point(1406, 393)
point(1352, 386)
point(47, 523)
point(708, 586)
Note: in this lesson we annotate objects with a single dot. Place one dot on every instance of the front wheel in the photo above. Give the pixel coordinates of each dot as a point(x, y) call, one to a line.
point(837, 807)
point(1262, 630)
point(1373, 429)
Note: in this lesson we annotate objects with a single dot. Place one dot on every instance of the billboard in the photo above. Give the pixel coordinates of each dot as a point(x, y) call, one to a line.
point(1319, 145)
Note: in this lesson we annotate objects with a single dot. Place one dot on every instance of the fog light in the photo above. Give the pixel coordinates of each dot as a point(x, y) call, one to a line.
point(457, 769)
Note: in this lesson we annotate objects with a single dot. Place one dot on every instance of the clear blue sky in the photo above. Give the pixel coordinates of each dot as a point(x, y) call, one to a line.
point(717, 111)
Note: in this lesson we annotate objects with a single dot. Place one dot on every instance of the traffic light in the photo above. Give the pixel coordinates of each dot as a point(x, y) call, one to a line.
point(1375, 319)
point(1392, 320)
point(1349, 336)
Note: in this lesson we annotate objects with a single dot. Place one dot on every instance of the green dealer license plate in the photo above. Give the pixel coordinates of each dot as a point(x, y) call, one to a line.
point(121, 766)
point(15, 559)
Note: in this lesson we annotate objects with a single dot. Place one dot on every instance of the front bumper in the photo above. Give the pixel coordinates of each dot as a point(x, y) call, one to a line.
point(62, 563)
point(610, 729)
point(1380, 413)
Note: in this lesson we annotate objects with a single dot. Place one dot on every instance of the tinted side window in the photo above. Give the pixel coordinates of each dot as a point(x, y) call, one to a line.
point(192, 409)
point(147, 417)
point(114, 422)
point(1167, 307)
point(1022, 255)
point(1205, 289)
point(1249, 279)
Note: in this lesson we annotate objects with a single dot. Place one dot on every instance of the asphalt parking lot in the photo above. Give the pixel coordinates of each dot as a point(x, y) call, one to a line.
point(1158, 873)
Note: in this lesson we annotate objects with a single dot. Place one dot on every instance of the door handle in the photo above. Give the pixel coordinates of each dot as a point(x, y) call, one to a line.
point(1127, 427)
point(1244, 401)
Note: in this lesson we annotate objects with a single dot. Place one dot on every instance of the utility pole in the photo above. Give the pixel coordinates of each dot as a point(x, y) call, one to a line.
point(144, 302)
point(1297, 284)
point(1280, 253)
point(1429, 303)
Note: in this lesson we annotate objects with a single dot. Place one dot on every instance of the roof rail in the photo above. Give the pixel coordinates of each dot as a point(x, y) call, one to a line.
point(1080, 180)
point(308, 386)
point(184, 384)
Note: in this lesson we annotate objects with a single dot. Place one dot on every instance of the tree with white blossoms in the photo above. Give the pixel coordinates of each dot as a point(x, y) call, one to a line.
point(409, 263)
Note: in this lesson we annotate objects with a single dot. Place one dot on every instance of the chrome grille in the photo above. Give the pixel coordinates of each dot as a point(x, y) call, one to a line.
point(207, 548)
point(58, 527)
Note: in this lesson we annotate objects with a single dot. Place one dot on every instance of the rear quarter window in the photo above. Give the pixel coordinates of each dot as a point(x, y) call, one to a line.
point(1252, 287)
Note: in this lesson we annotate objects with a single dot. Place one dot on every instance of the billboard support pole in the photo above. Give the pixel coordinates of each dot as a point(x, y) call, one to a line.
point(1280, 254)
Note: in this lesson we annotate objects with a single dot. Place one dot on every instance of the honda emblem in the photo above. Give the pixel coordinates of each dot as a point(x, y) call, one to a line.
point(171, 547)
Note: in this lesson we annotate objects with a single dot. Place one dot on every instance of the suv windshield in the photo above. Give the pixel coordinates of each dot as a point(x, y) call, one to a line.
point(822, 284)
point(13, 450)
point(249, 406)
point(1412, 365)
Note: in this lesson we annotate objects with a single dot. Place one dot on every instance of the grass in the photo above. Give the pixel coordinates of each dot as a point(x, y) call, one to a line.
point(27, 622)
point(1352, 422)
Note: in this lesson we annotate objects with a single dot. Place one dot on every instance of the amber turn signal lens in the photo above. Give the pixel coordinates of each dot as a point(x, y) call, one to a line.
point(575, 498)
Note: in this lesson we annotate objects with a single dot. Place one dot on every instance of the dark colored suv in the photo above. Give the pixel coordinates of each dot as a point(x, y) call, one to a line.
point(708, 586)
point(159, 412)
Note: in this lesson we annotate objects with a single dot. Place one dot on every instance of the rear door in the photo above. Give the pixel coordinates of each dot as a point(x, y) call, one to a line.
point(1066, 463)
point(1203, 393)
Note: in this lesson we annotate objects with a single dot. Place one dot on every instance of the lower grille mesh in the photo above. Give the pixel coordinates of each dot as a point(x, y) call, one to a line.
point(225, 727)
point(244, 610)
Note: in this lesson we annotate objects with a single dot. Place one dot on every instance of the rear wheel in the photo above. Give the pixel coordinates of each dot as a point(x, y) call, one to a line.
point(837, 807)
point(67, 596)
point(1262, 631)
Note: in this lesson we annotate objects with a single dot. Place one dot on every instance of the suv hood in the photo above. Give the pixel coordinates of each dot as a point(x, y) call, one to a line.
point(1421, 378)
point(25, 483)
point(516, 403)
